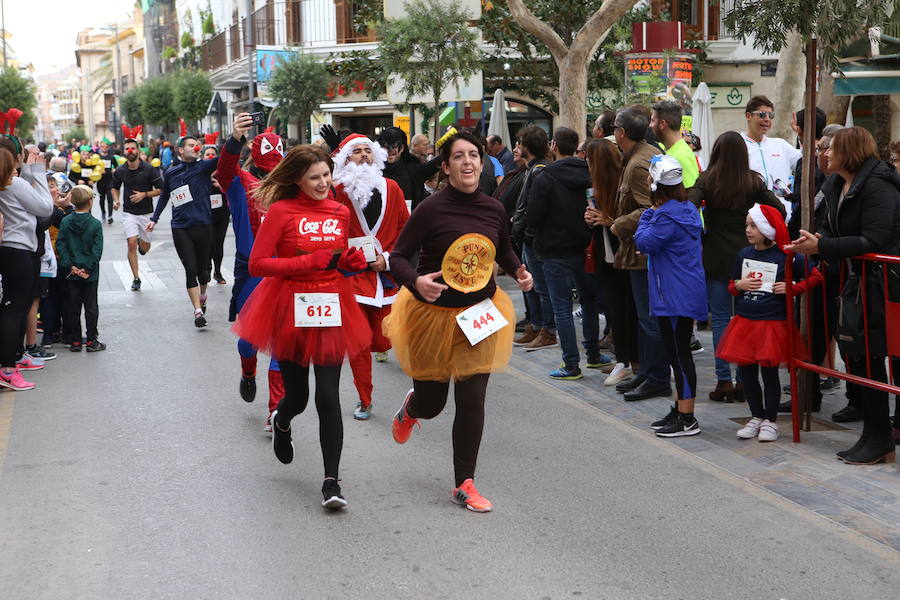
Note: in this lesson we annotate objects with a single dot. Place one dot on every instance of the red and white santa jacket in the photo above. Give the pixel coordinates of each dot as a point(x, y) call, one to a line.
point(369, 287)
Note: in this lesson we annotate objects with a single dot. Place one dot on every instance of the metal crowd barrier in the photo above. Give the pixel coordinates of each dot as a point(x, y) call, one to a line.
point(892, 332)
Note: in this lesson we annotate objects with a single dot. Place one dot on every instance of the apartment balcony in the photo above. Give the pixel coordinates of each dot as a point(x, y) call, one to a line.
point(321, 26)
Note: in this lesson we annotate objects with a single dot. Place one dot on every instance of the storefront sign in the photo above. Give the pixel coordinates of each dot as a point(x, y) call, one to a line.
point(665, 76)
point(729, 96)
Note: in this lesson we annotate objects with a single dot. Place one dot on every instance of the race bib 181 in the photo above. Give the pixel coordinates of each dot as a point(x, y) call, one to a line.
point(181, 195)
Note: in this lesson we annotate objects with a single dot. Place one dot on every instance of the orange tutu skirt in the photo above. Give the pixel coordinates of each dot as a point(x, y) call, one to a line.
point(764, 343)
point(430, 346)
point(267, 321)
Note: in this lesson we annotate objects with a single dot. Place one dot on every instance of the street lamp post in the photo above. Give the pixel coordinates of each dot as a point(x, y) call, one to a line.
point(3, 18)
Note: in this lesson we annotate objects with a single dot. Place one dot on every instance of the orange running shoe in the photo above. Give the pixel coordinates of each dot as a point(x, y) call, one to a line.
point(403, 423)
point(467, 495)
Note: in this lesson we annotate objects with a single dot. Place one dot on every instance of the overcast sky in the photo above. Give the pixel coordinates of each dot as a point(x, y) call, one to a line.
point(44, 31)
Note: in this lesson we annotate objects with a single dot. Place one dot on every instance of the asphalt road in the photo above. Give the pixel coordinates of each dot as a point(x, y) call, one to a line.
point(140, 473)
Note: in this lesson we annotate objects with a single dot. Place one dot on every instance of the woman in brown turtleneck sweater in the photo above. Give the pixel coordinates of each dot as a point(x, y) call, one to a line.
point(459, 234)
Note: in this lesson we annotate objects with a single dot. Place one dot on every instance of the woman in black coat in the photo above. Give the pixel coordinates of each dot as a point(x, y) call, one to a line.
point(863, 216)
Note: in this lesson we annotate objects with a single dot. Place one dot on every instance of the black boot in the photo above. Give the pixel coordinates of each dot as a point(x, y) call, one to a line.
point(877, 445)
point(855, 447)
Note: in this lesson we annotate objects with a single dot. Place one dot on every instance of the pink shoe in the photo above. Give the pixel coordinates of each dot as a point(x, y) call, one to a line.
point(29, 363)
point(15, 381)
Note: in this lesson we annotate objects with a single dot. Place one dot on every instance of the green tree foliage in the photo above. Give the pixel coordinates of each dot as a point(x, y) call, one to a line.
point(533, 73)
point(359, 65)
point(191, 92)
point(156, 103)
point(299, 85)
point(131, 107)
point(18, 92)
point(836, 23)
point(77, 133)
point(430, 49)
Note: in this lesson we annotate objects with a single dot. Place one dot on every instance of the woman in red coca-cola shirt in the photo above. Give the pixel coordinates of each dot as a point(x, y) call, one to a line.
point(303, 312)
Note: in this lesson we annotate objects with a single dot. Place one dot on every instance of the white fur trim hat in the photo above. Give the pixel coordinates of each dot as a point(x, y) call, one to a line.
point(379, 155)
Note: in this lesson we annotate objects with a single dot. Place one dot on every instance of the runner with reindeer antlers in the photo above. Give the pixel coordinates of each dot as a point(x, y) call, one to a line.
point(142, 184)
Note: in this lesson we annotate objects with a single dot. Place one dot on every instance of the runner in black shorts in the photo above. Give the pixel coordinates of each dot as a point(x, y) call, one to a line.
point(189, 184)
point(142, 184)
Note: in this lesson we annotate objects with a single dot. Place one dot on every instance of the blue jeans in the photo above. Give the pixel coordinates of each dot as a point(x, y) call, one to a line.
point(539, 307)
point(721, 305)
point(561, 274)
point(651, 349)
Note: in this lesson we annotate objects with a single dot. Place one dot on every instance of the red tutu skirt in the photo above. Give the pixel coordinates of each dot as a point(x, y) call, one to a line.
point(267, 321)
point(764, 343)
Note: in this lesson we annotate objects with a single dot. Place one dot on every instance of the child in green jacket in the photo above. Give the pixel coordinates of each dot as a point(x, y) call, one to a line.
point(80, 246)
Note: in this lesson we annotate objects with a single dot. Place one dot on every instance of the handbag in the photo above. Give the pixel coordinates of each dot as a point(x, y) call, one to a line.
point(855, 315)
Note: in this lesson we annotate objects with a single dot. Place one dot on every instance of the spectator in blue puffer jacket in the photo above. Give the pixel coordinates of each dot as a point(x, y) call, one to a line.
point(669, 234)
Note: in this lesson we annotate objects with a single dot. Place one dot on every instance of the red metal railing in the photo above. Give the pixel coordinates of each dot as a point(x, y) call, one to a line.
point(891, 331)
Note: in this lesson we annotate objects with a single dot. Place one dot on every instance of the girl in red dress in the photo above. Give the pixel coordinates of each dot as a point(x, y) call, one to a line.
point(303, 312)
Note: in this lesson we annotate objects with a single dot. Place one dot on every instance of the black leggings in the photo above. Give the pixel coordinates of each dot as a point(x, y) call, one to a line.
point(193, 245)
point(676, 333)
point(771, 391)
point(220, 229)
point(18, 294)
point(428, 401)
point(328, 405)
point(615, 292)
point(104, 190)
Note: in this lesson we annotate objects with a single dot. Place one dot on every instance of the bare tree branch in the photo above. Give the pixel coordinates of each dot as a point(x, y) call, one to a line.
point(597, 27)
point(530, 23)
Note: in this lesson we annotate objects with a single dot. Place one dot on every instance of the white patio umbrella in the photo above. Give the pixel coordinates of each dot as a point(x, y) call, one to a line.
point(702, 122)
point(498, 124)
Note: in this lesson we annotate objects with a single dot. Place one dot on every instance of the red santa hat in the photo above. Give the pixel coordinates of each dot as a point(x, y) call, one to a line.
point(771, 224)
point(379, 154)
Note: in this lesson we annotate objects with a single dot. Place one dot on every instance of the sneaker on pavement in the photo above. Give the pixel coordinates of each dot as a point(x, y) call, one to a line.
point(136, 285)
point(526, 337)
point(619, 374)
point(14, 381)
point(680, 426)
point(281, 441)
point(331, 495)
point(402, 426)
point(95, 346)
point(467, 495)
point(381, 356)
point(362, 412)
point(267, 426)
point(545, 339)
point(696, 346)
point(666, 420)
point(564, 372)
point(599, 361)
point(750, 430)
point(247, 388)
point(75, 347)
point(199, 319)
point(768, 431)
point(37, 351)
point(30, 363)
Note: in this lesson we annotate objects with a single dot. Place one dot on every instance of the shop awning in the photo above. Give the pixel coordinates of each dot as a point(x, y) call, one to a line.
point(867, 82)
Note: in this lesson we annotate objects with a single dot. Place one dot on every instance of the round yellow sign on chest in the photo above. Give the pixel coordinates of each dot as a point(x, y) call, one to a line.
point(468, 263)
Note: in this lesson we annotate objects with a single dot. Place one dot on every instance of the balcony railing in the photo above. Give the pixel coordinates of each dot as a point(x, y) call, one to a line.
point(306, 23)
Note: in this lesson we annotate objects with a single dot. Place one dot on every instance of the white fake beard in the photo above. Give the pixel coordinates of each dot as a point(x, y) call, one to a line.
point(359, 181)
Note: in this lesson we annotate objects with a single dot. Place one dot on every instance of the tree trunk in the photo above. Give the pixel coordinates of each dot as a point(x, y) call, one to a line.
point(437, 117)
point(881, 109)
point(837, 112)
point(573, 95)
point(789, 85)
point(826, 93)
